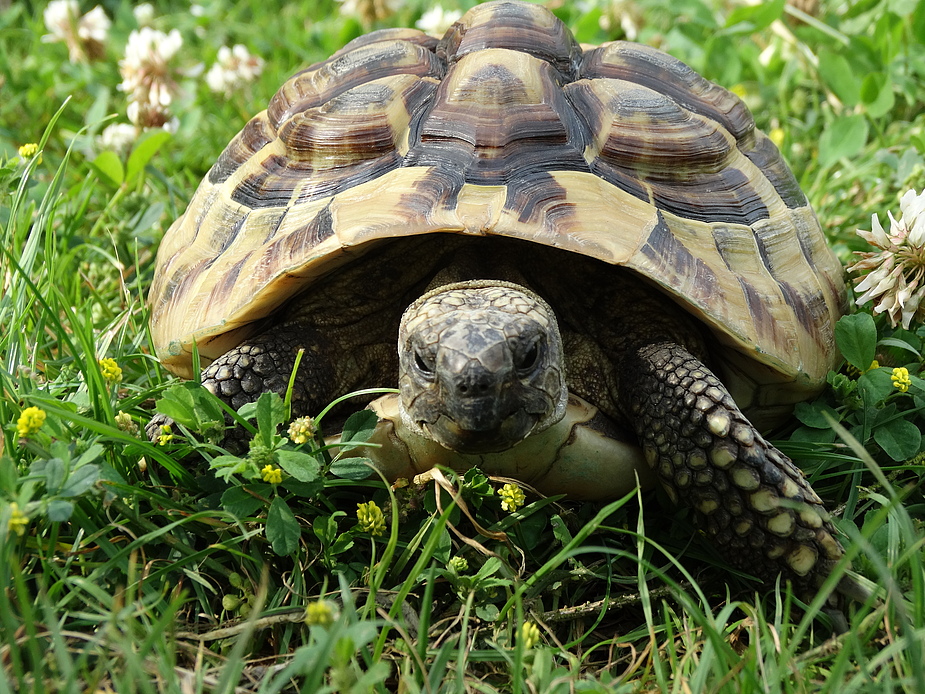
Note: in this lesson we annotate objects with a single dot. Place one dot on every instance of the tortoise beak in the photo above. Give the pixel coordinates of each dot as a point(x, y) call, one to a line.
point(468, 439)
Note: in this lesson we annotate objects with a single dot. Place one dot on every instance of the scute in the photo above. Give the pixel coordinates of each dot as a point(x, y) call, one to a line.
point(506, 127)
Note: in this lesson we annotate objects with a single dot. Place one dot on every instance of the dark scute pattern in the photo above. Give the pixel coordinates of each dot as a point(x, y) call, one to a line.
point(666, 251)
point(490, 126)
point(538, 199)
point(668, 75)
point(769, 161)
point(252, 138)
point(518, 27)
point(270, 184)
point(324, 81)
point(223, 236)
point(725, 197)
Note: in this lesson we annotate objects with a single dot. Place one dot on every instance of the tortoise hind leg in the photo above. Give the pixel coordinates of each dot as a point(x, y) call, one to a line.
point(748, 497)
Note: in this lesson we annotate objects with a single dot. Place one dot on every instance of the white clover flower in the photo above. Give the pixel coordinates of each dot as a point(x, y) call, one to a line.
point(85, 35)
point(437, 20)
point(896, 271)
point(148, 77)
point(144, 14)
point(234, 69)
point(118, 137)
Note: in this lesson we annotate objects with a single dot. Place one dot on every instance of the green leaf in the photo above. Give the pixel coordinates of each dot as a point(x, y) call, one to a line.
point(844, 137)
point(282, 528)
point(900, 439)
point(755, 17)
point(144, 150)
point(59, 510)
point(302, 466)
point(836, 73)
point(80, 480)
point(352, 468)
point(875, 386)
point(241, 503)
point(54, 475)
point(358, 428)
point(856, 336)
point(877, 94)
point(109, 167)
point(813, 415)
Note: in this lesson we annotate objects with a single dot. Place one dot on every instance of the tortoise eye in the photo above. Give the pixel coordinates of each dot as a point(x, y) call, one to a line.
point(423, 364)
point(527, 361)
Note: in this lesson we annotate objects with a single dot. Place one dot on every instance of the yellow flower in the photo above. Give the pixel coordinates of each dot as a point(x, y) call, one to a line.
point(28, 150)
point(777, 136)
point(529, 635)
point(895, 272)
point(272, 474)
point(18, 520)
point(739, 90)
point(112, 372)
point(371, 519)
point(459, 564)
point(30, 421)
point(901, 379)
point(319, 613)
point(166, 436)
point(512, 497)
point(302, 430)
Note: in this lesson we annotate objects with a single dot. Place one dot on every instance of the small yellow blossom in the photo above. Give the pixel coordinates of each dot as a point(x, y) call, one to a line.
point(529, 635)
point(319, 613)
point(777, 136)
point(28, 150)
point(901, 379)
point(459, 564)
point(371, 519)
point(739, 90)
point(512, 497)
point(125, 423)
point(112, 372)
point(18, 520)
point(873, 365)
point(166, 436)
point(30, 421)
point(272, 474)
point(302, 430)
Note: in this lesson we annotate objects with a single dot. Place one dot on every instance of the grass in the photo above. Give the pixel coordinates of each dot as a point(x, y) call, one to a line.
point(138, 571)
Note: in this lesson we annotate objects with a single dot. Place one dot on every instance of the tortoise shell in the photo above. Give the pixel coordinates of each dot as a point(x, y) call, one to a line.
point(507, 126)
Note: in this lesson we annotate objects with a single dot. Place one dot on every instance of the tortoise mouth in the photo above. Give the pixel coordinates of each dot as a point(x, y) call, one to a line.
point(449, 434)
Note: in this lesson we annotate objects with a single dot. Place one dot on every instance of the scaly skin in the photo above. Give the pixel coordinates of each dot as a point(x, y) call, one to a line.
point(749, 498)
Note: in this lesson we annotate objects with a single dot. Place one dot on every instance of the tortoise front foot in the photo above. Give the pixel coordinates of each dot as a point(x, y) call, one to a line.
point(748, 497)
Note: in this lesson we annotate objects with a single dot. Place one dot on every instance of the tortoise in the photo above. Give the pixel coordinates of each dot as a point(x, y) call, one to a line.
point(598, 272)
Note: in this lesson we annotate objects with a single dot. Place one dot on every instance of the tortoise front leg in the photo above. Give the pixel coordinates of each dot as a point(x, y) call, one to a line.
point(263, 363)
point(749, 498)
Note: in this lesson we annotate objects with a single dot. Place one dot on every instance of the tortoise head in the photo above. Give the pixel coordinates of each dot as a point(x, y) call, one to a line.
point(480, 366)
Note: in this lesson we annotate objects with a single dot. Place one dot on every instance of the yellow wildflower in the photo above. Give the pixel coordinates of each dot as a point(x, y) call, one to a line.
point(459, 564)
point(30, 421)
point(28, 150)
point(112, 372)
point(901, 379)
point(319, 613)
point(18, 520)
point(302, 430)
point(529, 635)
point(739, 90)
point(165, 436)
point(371, 519)
point(777, 136)
point(272, 474)
point(512, 497)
